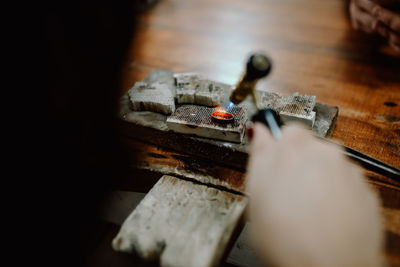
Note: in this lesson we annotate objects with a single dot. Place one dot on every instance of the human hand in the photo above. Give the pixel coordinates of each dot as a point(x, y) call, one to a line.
point(309, 205)
point(371, 17)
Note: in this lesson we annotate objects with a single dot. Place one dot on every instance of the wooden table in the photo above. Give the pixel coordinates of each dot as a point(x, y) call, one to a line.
point(314, 51)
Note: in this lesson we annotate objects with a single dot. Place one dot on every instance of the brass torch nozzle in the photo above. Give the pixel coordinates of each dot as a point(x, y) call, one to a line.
point(257, 67)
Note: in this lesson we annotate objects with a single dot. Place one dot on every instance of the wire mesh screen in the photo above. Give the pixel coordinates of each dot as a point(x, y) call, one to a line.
point(200, 116)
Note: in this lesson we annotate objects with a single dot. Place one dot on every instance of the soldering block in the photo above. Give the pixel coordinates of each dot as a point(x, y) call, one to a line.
point(294, 107)
point(196, 120)
point(307, 120)
point(194, 89)
point(156, 97)
point(211, 93)
point(186, 84)
point(298, 108)
point(271, 100)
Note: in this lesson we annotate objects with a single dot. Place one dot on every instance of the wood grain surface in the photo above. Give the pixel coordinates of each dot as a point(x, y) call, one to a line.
point(314, 51)
point(155, 159)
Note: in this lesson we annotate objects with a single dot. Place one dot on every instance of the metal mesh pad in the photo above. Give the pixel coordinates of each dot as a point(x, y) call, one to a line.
point(301, 105)
point(193, 119)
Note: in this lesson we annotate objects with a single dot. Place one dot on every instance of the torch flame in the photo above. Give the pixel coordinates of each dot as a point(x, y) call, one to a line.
point(219, 109)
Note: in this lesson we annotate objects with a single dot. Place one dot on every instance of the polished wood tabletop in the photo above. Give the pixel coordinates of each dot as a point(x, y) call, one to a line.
point(314, 51)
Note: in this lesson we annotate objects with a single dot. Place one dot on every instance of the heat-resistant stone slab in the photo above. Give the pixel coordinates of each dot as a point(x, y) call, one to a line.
point(156, 97)
point(299, 108)
point(192, 88)
point(211, 93)
point(186, 84)
point(295, 107)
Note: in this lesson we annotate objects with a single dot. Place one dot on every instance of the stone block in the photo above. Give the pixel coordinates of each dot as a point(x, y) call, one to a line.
point(156, 97)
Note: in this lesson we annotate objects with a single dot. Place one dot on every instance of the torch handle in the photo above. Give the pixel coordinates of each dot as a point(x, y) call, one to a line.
point(270, 119)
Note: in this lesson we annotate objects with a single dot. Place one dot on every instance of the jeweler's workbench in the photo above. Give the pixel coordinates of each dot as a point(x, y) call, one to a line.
point(318, 56)
point(224, 144)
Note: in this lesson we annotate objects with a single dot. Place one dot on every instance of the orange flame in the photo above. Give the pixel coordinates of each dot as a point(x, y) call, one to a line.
point(219, 109)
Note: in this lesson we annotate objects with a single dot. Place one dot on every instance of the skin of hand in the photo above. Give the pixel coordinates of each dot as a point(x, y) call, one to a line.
point(309, 205)
point(371, 17)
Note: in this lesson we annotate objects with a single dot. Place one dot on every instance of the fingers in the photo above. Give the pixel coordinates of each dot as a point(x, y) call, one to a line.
point(393, 38)
point(387, 17)
point(261, 138)
point(353, 14)
point(293, 135)
point(361, 19)
point(296, 134)
point(367, 5)
point(394, 42)
point(372, 18)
